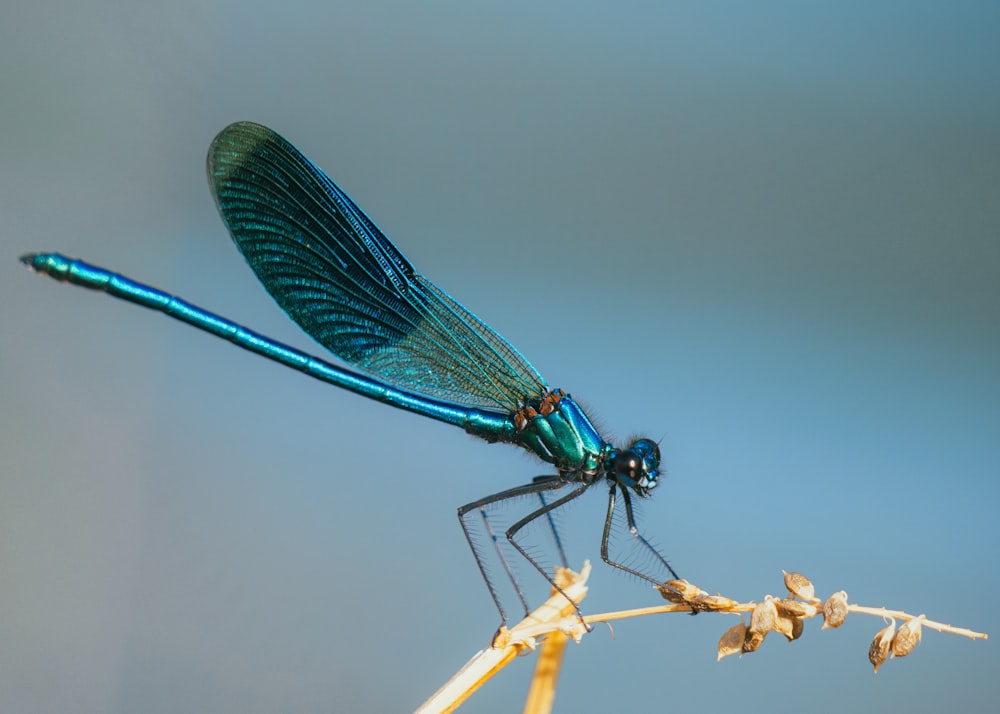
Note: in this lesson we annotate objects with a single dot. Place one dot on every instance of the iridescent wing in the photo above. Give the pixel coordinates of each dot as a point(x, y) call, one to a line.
point(336, 274)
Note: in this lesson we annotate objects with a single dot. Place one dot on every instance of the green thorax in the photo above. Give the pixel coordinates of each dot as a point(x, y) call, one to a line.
point(559, 432)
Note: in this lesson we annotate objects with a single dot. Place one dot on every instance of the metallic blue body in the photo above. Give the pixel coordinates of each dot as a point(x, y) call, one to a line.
point(566, 438)
point(492, 426)
point(339, 277)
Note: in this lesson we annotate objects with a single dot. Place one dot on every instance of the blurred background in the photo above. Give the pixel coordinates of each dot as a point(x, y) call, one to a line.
point(767, 234)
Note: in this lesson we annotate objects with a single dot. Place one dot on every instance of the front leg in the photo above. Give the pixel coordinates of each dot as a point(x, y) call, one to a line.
point(634, 532)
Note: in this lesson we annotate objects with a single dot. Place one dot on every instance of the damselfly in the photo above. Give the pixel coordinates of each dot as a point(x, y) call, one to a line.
point(336, 274)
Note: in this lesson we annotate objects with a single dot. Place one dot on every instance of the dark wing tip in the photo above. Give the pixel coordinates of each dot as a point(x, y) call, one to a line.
point(241, 132)
point(232, 145)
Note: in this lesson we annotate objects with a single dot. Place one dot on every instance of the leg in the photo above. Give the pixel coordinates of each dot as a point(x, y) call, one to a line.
point(544, 510)
point(503, 560)
point(552, 527)
point(539, 485)
point(634, 531)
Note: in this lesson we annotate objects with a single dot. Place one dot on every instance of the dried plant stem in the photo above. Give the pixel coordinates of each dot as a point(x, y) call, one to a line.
point(738, 607)
point(522, 638)
point(555, 622)
point(542, 693)
point(900, 615)
point(788, 615)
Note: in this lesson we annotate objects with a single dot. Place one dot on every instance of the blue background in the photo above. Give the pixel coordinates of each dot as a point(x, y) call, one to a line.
point(768, 233)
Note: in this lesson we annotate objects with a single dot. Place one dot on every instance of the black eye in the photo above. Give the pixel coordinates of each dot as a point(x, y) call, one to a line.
point(626, 464)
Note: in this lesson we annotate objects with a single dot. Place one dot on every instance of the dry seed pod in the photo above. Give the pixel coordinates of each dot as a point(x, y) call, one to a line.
point(762, 617)
point(793, 608)
point(704, 601)
point(798, 625)
point(799, 585)
point(670, 594)
point(835, 610)
point(686, 589)
point(679, 591)
point(880, 647)
point(761, 622)
point(788, 625)
point(753, 640)
point(907, 637)
point(732, 640)
point(783, 624)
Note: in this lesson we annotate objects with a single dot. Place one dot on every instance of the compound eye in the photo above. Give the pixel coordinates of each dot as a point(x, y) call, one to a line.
point(627, 465)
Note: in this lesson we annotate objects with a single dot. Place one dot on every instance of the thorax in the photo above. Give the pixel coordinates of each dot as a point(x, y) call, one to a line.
point(558, 431)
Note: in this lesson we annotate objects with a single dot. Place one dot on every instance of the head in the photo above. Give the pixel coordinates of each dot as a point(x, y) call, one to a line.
point(638, 466)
